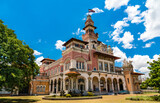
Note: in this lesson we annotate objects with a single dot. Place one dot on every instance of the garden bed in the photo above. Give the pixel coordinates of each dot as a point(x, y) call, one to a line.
point(71, 98)
point(145, 98)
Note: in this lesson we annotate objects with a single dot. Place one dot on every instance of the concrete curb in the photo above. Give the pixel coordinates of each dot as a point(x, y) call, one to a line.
point(72, 98)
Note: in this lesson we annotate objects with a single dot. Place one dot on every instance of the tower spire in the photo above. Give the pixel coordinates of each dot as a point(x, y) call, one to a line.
point(89, 28)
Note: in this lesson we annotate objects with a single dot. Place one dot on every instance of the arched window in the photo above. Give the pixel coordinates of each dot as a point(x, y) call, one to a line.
point(41, 88)
point(37, 88)
point(44, 87)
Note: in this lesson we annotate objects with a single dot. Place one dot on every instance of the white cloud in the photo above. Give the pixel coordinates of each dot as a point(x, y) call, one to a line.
point(115, 4)
point(117, 52)
point(97, 10)
point(147, 45)
point(79, 31)
point(59, 44)
point(126, 40)
point(84, 19)
point(36, 52)
point(127, 37)
point(134, 15)
point(152, 20)
point(38, 60)
point(139, 61)
point(118, 29)
point(105, 32)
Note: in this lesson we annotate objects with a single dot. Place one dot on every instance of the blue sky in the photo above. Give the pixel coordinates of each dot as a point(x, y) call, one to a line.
point(131, 27)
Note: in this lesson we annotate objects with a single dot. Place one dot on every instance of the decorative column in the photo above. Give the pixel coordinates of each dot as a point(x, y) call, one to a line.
point(57, 87)
point(99, 86)
point(64, 83)
point(69, 84)
point(112, 85)
point(106, 83)
point(109, 69)
point(89, 81)
point(124, 84)
point(118, 86)
point(103, 66)
point(76, 83)
point(92, 84)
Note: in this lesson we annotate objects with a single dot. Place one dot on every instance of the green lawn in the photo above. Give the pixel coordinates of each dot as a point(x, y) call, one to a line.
point(105, 99)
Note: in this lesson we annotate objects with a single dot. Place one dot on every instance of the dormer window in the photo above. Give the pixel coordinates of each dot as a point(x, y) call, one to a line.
point(81, 46)
point(76, 45)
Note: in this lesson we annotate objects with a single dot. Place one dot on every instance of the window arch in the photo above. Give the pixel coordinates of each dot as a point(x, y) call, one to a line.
point(44, 87)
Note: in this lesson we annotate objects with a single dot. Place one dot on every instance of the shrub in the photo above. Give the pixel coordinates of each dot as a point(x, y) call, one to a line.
point(53, 95)
point(62, 93)
point(68, 95)
point(90, 94)
point(156, 97)
point(75, 93)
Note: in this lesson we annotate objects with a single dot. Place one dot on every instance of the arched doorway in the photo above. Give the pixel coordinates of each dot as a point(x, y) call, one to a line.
point(55, 85)
point(102, 84)
point(51, 86)
point(109, 85)
point(59, 84)
point(81, 84)
point(67, 84)
point(115, 85)
point(95, 84)
point(120, 84)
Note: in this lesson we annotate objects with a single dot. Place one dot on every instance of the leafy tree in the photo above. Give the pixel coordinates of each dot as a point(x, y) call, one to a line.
point(17, 64)
point(154, 80)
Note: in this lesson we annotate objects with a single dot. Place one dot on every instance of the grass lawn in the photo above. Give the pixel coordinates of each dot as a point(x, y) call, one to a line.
point(105, 99)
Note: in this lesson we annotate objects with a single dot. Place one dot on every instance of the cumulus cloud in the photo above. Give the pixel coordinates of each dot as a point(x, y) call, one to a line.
point(139, 61)
point(115, 4)
point(59, 44)
point(151, 18)
point(147, 45)
point(104, 32)
point(126, 40)
point(36, 52)
point(117, 52)
point(97, 10)
point(118, 29)
point(127, 37)
point(79, 31)
point(38, 60)
point(134, 15)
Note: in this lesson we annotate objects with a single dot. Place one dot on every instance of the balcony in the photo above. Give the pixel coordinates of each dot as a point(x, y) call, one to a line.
point(137, 81)
point(75, 48)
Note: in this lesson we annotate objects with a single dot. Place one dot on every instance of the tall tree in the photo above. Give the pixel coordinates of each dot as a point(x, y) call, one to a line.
point(17, 64)
point(154, 80)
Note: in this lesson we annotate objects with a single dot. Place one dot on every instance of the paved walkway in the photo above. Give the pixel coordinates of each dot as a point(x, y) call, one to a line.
point(106, 99)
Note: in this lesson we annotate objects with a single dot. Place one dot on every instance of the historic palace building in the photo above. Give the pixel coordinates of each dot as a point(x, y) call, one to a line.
point(87, 65)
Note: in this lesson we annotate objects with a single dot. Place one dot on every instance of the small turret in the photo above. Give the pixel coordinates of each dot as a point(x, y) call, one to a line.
point(127, 66)
point(89, 28)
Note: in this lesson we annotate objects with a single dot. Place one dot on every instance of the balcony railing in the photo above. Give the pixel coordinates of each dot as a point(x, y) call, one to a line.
point(137, 81)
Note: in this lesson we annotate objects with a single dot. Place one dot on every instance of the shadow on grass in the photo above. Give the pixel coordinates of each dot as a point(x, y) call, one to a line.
point(6, 100)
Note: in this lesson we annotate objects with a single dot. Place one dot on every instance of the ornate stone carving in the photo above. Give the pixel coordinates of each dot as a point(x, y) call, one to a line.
point(127, 65)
